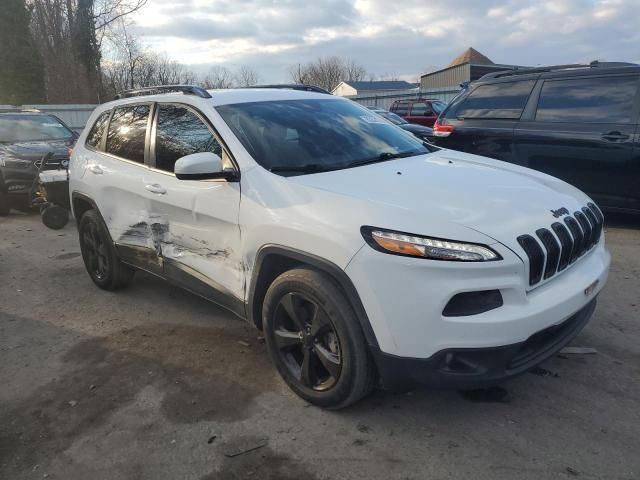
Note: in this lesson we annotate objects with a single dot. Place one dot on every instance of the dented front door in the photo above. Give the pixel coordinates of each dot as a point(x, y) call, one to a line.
point(195, 234)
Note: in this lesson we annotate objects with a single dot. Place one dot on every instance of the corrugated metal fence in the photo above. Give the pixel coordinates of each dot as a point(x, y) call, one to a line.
point(385, 100)
point(75, 116)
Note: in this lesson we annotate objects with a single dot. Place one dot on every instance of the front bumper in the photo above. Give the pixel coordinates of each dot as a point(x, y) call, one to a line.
point(480, 367)
point(18, 181)
point(404, 299)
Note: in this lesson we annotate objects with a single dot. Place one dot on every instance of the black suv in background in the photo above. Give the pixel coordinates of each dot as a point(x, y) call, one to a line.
point(576, 122)
point(25, 138)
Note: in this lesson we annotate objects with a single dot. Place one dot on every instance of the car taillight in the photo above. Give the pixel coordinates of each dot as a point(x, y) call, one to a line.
point(440, 130)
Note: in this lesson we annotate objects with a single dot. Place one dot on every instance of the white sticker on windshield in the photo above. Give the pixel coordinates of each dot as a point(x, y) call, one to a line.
point(57, 125)
point(373, 119)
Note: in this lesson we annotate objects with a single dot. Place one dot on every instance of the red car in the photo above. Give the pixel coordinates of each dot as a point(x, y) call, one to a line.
point(423, 112)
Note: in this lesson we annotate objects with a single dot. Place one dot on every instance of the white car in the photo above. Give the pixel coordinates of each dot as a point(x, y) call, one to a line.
point(365, 256)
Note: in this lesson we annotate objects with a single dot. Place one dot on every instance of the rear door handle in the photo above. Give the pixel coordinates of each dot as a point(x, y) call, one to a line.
point(613, 136)
point(155, 188)
point(96, 169)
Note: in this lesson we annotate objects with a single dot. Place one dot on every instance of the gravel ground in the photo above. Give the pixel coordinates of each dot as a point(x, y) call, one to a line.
point(155, 383)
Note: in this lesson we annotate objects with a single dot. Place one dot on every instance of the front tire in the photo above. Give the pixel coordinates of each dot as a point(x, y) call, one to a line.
point(315, 340)
point(99, 254)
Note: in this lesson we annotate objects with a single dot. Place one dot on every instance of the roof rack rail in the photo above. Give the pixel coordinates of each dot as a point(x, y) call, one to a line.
point(186, 89)
point(293, 86)
point(19, 110)
point(553, 68)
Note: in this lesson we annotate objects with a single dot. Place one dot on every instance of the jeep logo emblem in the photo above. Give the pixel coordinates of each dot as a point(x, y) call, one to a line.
point(560, 212)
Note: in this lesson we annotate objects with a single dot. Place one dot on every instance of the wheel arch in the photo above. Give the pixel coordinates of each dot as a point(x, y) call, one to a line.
point(273, 260)
point(81, 203)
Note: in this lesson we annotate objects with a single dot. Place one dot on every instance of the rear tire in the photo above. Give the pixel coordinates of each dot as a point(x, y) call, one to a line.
point(99, 254)
point(315, 339)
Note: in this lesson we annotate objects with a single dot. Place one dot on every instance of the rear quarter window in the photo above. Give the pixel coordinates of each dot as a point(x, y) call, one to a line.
point(94, 137)
point(504, 100)
point(588, 100)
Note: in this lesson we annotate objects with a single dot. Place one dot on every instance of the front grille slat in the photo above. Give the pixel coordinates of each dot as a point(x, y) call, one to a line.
point(552, 247)
point(536, 257)
point(586, 229)
point(563, 243)
point(578, 238)
point(566, 241)
point(595, 233)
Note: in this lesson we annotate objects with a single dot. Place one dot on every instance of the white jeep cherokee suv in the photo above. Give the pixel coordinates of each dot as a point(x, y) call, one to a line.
point(363, 254)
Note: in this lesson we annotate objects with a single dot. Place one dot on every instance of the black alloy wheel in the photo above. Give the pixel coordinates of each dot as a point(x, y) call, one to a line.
point(307, 342)
point(99, 254)
point(315, 339)
point(95, 252)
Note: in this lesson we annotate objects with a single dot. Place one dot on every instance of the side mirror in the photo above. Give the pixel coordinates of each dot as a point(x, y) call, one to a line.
point(200, 166)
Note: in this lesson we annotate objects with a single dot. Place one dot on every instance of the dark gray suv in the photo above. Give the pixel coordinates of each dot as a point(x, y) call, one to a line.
point(579, 123)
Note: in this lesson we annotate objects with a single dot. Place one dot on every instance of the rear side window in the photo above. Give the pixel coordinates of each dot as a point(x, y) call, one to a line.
point(401, 109)
point(127, 131)
point(97, 131)
point(498, 101)
point(180, 132)
point(420, 109)
point(588, 100)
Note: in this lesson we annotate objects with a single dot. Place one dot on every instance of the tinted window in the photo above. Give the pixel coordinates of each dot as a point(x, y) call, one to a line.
point(180, 132)
point(401, 109)
point(97, 131)
point(29, 127)
point(420, 109)
point(498, 100)
point(588, 100)
point(315, 134)
point(127, 132)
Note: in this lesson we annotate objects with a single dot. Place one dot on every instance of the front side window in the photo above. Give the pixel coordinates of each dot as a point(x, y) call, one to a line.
point(180, 132)
point(127, 131)
point(588, 100)
point(17, 127)
point(304, 136)
point(97, 131)
point(497, 101)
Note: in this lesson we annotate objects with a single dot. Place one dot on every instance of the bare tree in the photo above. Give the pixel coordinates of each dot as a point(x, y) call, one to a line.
point(246, 77)
point(327, 72)
point(217, 77)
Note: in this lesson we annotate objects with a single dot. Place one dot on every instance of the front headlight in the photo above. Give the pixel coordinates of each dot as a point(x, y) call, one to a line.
point(410, 245)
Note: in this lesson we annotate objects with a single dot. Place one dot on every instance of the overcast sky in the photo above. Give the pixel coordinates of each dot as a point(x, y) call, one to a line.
point(401, 37)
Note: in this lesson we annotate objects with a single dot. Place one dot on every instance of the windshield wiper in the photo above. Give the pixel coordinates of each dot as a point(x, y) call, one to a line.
point(310, 168)
point(383, 157)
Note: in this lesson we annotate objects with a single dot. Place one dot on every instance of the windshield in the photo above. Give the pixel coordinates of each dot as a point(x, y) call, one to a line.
point(393, 118)
point(26, 128)
point(438, 106)
point(306, 136)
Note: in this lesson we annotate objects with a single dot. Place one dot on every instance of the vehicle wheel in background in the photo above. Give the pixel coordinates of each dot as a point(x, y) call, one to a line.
point(315, 339)
point(55, 217)
point(99, 254)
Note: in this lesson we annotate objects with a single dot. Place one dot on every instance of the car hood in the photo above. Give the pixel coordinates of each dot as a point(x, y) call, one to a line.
point(497, 199)
point(35, 150)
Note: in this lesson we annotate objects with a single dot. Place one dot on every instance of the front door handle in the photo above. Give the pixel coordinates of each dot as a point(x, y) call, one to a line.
point(155, 188)
point(614, 136)
point(96, 169)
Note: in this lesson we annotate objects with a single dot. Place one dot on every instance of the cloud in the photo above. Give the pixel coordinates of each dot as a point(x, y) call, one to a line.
point(405, 37)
